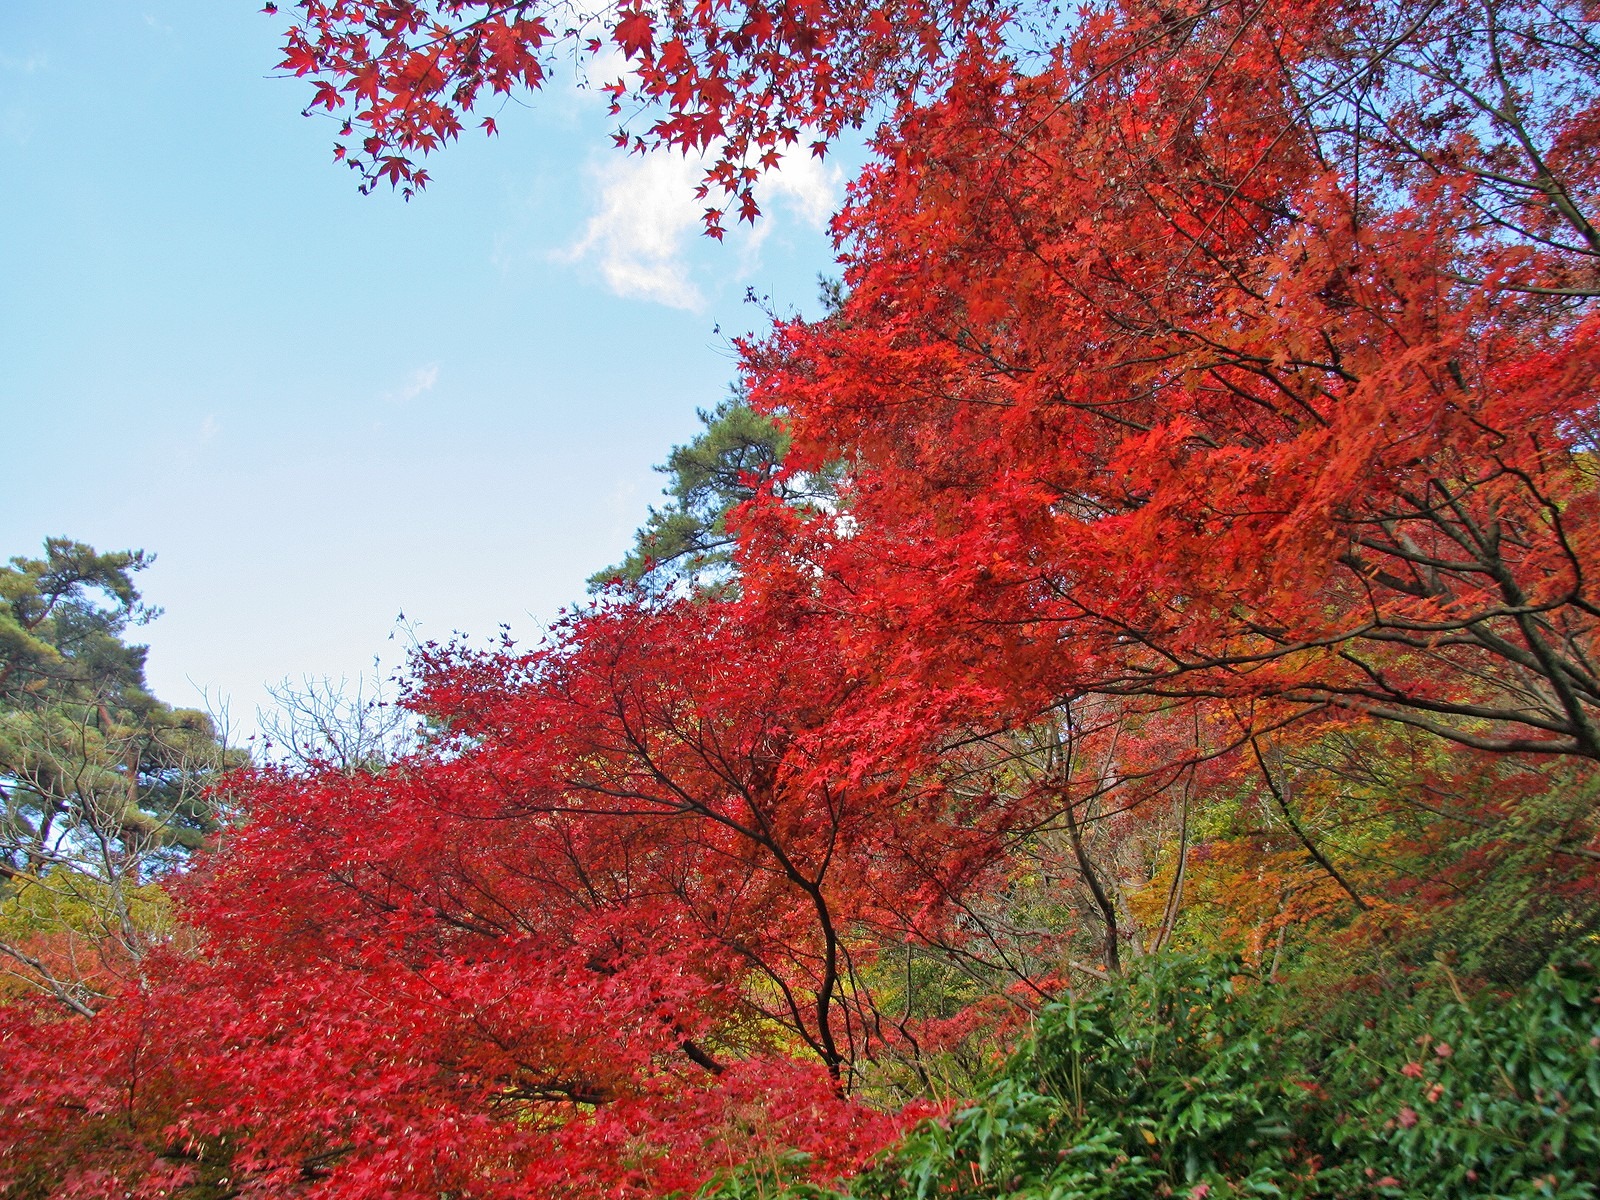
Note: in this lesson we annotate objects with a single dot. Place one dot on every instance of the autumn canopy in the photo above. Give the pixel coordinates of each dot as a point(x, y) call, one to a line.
point(1184, 535)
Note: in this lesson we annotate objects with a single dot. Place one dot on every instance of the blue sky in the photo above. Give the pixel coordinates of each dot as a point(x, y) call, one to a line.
point(321, 409)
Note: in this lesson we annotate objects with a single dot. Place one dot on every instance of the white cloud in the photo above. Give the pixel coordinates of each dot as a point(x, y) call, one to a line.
point(608, 67)
point(209, 428)
point(801, 186)
point(807, 186)
point(639, 236)
point(647, 218)
point(420, 380)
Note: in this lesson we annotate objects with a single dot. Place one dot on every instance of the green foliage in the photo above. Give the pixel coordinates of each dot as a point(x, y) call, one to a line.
point(63, 900)
point(1484, 860)
point(102, 786)
point(84, 748)
point(54, 633)
point(1131, 1093)
point(687, 540)
point(687, 543)
point(1194, 1080)
point(1457, 1096)
point(1506, 889)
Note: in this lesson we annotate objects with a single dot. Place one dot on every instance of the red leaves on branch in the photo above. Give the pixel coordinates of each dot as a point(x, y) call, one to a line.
point(1212, 362)
point(609, 939)
point(743, 79)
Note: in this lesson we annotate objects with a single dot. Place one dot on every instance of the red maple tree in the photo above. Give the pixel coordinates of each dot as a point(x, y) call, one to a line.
point(1244, 353)
point(1204, 371)
point(610, 934)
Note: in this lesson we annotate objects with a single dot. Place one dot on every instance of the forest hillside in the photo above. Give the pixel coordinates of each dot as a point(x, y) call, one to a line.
point(1111, 708)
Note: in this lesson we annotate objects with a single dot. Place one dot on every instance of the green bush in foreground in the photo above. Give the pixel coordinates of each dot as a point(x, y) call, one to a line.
point(1192, 1080)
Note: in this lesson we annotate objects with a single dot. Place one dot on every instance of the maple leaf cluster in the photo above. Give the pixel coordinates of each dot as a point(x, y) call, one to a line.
point(742, 80)
point(1212, 405)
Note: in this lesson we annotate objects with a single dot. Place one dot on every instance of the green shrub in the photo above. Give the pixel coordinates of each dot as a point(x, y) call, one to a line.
point(1191, 1079)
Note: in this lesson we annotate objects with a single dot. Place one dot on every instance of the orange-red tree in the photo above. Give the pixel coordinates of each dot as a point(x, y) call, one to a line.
point(1243, 353)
